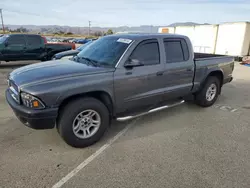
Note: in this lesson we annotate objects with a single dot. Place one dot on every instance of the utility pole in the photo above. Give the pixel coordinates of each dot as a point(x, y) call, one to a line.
point(2, 20)
point(89, 27)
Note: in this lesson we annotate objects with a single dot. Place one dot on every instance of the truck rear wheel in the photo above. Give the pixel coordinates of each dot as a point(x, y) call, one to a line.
point(209, 93)
point(83, 122)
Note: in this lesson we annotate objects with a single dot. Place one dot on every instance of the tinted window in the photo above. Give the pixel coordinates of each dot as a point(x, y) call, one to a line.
point(147, 52)
point(33, 40)
point(105, 51)
point(185, 49)
point(173, 50)
point(16, 40)
point(3, 38)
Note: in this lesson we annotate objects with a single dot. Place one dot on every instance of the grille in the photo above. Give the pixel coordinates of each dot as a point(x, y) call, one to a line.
point(12, 84)
point(14, 91)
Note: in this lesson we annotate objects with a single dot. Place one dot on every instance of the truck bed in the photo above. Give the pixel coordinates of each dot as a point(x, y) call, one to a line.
point(203, 61)
point(206, 63)
point(198, 56)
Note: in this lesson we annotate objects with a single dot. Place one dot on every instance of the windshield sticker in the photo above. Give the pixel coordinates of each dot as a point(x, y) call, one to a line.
point(126, 41)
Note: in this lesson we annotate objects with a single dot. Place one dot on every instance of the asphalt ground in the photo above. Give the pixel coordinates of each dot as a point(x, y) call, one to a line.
point(185, 146)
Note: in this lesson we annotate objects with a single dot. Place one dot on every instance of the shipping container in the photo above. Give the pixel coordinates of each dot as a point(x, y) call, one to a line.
point(233, 39)
point(187, 31)
point(227, 39)
point(204, 39)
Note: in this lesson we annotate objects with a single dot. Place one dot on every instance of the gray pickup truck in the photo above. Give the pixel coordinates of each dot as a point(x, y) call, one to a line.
point(116, 77)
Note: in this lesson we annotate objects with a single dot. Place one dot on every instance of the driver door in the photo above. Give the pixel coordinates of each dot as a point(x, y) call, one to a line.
point(140, 86)
point(14, 48)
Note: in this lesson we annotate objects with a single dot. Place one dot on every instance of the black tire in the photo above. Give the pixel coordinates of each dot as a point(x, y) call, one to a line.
point(44, 59)
point(69, 113)
point(200, 97)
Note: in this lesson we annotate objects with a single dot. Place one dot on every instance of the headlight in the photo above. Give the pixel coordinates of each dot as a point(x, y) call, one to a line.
point(31, 101)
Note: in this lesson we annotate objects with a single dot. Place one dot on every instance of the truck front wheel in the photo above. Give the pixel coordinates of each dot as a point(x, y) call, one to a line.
point(209, 93)
point(83, 122)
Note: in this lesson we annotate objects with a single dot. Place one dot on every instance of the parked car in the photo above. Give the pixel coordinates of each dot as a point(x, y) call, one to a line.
point(83, 41)
point(70, 53)
point(117, 77)
point(76, 40)
point(67, 40)
point(16, 47)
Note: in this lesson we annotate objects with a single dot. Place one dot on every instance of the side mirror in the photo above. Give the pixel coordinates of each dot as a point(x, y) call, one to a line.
point(6, 44)
point(133, 63)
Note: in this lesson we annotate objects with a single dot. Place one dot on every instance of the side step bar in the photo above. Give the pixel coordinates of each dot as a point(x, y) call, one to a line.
point(126, 118)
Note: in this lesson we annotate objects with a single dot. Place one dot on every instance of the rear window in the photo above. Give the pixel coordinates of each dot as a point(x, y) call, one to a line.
point(33, 40)
point(176, 50)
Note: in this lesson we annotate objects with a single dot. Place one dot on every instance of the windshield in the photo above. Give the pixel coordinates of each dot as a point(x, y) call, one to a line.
point(105, 51)
point(80, 48)
point(3, 38)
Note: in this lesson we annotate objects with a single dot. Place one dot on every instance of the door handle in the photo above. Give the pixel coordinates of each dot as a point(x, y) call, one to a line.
point(128, 73)
point(189, 69)
point(159, 73)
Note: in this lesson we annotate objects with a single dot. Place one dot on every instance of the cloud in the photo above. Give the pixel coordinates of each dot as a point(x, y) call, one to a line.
point(58, 10)
point(124, 12)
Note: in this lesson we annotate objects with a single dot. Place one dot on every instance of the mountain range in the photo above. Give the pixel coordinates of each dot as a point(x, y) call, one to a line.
point(84, 30)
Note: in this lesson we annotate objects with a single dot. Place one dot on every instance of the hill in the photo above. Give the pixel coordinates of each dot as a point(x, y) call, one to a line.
point(84, 30)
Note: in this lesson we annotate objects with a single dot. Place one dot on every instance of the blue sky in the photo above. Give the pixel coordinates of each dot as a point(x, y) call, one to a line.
point(111, 13)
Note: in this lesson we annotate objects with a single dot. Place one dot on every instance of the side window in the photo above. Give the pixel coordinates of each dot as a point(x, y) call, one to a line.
point(173, 50)
point(147, 52)
point(33, 40)
point(185, 49)
point(16, 40)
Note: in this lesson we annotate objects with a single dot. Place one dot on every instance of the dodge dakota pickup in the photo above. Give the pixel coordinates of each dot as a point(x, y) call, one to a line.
point(116, 77)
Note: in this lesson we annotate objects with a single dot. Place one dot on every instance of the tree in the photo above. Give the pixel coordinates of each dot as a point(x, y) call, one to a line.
point(109, 32)
point(21, 30)
point(98, 33)
point(61, 32)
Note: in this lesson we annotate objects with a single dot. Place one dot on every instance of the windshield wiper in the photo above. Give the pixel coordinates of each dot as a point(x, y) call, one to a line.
point(93, 62)
point(76, 58)
point(105, 64)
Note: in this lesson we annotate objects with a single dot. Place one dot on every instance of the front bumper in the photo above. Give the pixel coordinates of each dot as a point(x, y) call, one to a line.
point(36, 119)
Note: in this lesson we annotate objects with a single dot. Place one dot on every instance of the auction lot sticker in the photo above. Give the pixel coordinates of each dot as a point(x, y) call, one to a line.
point(126, 41)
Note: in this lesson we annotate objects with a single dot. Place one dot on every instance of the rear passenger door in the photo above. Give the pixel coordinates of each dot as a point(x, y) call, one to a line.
point(179, 69)
point(34, 47)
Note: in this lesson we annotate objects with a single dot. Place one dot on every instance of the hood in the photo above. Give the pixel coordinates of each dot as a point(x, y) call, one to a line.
point(66, 53)
point(51, 70)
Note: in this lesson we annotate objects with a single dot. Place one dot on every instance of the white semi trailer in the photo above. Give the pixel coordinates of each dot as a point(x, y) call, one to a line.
point(227, 38)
